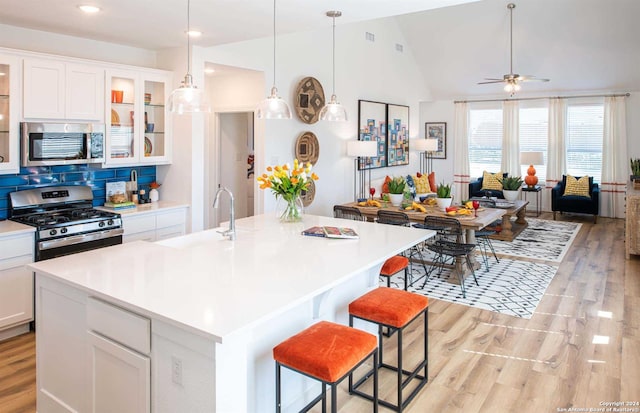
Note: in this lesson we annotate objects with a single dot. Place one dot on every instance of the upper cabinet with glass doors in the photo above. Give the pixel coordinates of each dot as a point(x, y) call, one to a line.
point(9, 98)
point(138, 128)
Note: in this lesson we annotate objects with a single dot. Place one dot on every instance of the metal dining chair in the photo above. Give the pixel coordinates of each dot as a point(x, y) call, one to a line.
point(449, 229)
point(341, 211)
point(483, 236)
point(401, 219)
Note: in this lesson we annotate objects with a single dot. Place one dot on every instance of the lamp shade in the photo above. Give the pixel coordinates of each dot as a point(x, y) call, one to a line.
point(531, 158)
point(188, 99)
point(362, 148)
point(427, 145)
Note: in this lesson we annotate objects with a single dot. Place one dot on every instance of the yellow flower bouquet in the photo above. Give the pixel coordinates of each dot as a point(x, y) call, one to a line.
point(287, 184)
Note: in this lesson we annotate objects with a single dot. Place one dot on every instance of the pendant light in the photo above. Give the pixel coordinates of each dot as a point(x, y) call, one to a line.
point(273, 107)
point(333, 111)
point(188, 98)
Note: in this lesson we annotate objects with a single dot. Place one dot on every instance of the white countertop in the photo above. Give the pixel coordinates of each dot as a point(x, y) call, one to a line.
point(152, 207)
point(217, 287)
point(13, 228)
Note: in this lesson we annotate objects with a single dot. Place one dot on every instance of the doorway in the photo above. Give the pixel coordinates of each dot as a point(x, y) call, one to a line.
point(235, 158)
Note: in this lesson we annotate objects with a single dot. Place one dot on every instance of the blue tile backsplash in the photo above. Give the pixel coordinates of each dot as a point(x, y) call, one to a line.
point(96, 178)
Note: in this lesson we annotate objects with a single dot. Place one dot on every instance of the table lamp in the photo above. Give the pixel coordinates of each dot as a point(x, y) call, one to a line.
point(428, 147)
point(531, 158)
point(359, 150)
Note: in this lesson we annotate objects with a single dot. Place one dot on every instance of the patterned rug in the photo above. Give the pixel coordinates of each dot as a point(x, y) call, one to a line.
point(542, 239)
point(510, 287)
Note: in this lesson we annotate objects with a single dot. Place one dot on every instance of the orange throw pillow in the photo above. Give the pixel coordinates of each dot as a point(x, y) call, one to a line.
point(432, 182)
point(385, 185)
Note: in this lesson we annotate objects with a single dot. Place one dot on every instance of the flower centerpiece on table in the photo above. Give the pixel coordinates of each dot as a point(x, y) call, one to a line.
point(287, 184)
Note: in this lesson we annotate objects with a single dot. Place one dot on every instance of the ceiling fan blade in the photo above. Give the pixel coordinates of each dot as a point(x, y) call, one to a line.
point(491, 81)
point(529, 78)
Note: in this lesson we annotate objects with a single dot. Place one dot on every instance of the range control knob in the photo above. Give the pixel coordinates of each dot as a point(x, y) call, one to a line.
point(110, 222)
point(101, 224)
point(63, 230)
point(53, 232)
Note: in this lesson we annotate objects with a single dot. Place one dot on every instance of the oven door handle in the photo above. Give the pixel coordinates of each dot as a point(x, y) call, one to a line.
point(78, 239)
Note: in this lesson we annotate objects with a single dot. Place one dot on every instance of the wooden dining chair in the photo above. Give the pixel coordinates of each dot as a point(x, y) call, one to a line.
point(449, 244)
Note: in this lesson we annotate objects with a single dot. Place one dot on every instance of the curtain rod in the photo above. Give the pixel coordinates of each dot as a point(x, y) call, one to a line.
point(544, 97)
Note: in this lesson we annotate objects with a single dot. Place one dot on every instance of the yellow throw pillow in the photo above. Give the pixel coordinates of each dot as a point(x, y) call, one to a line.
point(579, 187)
point(492, 181)
point(422, 184)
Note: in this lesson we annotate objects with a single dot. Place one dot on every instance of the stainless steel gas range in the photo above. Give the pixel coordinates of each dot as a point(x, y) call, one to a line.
point(65, 220)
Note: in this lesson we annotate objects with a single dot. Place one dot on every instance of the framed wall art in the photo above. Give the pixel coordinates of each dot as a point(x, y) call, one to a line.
point(437, 130)
point(397, 135)
point(372, 126)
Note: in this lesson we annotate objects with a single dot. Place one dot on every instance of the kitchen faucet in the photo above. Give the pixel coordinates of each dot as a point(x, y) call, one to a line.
point(231, 232)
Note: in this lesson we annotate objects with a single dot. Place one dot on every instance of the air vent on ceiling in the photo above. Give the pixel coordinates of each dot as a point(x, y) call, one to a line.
point(370, 36)
point(399, 47)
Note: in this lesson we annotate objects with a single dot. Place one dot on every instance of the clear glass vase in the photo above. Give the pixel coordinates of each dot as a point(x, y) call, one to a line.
point(289, 209)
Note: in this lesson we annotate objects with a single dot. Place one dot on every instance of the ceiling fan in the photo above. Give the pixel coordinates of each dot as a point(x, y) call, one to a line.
point(512, 80)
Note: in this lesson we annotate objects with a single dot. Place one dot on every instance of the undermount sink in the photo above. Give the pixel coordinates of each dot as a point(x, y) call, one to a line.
point(196, 238)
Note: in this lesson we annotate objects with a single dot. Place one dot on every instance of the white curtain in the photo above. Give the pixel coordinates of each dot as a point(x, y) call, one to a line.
point(461, 152)
point(557, 143)
point(615, 169)
point(511, 138)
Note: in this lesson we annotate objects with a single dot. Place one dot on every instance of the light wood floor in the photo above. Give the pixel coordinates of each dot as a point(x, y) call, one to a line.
point(482, 361)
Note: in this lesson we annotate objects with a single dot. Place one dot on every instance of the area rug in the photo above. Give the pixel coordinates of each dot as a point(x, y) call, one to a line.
point(510, 287)
point(542, 240)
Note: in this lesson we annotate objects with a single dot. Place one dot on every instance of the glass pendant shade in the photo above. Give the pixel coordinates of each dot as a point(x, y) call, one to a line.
point(188, 98)
point(273, 107)
point(333, 111)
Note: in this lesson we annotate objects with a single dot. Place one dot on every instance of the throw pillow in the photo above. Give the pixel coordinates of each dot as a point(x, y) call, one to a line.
point(491, 181)
point(578, 187)
point(432, 182)
point(422, 184)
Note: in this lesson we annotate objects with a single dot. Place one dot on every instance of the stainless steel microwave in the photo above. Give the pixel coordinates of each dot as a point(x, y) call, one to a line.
point(62, 143)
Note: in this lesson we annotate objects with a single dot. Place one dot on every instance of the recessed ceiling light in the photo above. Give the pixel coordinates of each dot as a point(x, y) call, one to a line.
point(89, 9)
point(209, 70)
point(194, 33)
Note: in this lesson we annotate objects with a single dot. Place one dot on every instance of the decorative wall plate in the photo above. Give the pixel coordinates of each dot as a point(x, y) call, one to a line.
point(309, 100)
point(309, 195)
point(307, 148)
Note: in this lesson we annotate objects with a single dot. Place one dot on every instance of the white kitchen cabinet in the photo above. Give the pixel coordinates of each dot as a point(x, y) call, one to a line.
point(138, 128)
point(9, 110)
point(119, 367)
point(153, 225)
point(16, 283)
point(55, 90)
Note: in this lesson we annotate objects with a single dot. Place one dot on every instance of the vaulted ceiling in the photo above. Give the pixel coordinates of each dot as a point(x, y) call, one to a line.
point(580, 45)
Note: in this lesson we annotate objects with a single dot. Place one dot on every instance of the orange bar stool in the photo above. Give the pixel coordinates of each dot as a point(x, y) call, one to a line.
point(327, 352)
point(393, 266)
point(394, 309)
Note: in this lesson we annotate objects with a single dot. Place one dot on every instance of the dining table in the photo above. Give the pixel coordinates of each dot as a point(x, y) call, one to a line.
point(469, 223)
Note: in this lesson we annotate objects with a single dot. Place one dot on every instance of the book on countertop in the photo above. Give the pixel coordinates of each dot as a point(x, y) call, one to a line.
point(331, 232)
point(120, 205)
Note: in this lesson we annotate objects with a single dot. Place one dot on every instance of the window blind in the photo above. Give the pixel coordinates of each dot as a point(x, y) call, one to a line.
point(485, 141)
point(585, 130)
point(534, 132)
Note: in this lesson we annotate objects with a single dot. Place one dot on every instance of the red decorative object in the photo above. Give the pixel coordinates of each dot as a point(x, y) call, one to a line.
point(531, 179)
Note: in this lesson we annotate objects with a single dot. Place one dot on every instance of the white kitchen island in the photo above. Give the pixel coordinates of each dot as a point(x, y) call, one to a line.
point(188, 324)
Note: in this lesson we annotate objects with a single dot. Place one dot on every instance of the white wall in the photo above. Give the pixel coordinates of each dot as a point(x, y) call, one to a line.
point(364, 70)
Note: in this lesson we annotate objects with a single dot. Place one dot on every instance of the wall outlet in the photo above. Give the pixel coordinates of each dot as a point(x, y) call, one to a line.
point(176, 370)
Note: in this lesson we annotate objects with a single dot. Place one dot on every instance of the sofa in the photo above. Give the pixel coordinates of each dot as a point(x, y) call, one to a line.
point(573, 203)
point(475, 189)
